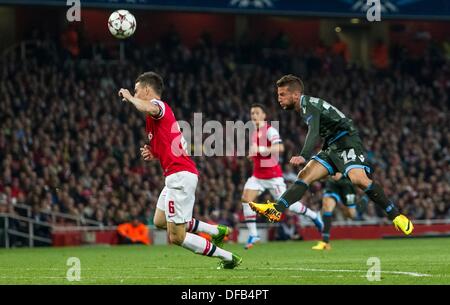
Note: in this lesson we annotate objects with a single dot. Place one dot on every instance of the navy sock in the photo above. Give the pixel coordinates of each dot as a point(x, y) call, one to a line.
point(293, 194)
point(376, 194)
point(326, 217)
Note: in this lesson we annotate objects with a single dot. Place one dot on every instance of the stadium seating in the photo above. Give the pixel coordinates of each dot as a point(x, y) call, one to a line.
point(68, 144)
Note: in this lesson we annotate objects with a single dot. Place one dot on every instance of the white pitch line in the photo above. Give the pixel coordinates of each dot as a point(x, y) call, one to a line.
point(415, 274)
point(168, 277)
point(347, 270)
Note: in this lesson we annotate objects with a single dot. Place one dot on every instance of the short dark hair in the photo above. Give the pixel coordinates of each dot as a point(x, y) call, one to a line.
point(257, 105)
point(293, 82)
point(153, 80)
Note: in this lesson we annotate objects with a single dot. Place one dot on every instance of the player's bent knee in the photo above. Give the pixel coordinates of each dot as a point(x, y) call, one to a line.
point(159, 219)
point(361, 183)
point(177, 234)
point(249, 196)
point(359, 178)
point(328, 205)
point(160, 226)
point(327, 208)
point(304, 175)
point(160, 223)
point(176, 239)
point(312, 172)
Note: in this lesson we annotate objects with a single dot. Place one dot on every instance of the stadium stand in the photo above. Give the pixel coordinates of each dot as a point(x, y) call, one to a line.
point(69, 145)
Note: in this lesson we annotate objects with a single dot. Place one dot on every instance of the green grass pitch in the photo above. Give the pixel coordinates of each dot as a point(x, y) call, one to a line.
point(403, 261)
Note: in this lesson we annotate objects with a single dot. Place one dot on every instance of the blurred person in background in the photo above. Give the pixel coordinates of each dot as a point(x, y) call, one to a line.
point(288, 229)
point(265, 150)
point(133, 232)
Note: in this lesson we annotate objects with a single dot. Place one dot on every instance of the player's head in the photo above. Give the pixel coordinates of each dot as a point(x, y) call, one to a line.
point(258, 114)
point(149, 85)
point(289, 88)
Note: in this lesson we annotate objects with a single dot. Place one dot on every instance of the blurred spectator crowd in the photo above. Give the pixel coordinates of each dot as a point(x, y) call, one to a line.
point(69, 144)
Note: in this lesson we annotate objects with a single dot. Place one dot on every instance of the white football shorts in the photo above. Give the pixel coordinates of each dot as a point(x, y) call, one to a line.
point(276, 186)
point(178, 196)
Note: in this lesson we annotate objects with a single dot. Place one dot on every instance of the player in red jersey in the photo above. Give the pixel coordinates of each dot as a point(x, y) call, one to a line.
point(266, 145)
point(176, 201)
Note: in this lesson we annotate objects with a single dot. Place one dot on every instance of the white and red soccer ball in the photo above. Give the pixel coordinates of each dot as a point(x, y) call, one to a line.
point(122, 24)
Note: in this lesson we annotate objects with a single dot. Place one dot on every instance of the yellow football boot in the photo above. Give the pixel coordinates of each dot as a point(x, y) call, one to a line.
point(266, 209)
point(402, 223)
point(321, 245)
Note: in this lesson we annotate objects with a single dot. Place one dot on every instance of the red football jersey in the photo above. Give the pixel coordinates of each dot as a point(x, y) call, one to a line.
point(167, 143)
point(266, 167)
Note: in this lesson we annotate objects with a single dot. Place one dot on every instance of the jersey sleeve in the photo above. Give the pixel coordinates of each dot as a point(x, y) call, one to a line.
point(162, 109)
point(273, 136)
point(312, 119)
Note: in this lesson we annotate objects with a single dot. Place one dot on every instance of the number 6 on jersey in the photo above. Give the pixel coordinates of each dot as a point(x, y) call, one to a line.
point(171, 207)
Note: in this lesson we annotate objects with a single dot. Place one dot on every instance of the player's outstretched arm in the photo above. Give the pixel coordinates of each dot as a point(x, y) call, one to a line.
point(141, 105)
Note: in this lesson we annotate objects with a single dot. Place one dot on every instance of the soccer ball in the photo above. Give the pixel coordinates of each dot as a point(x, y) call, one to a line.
point(122, 24)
